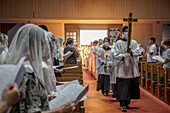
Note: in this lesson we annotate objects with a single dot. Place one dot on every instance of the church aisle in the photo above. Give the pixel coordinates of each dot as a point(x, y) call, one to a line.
point(97, 103)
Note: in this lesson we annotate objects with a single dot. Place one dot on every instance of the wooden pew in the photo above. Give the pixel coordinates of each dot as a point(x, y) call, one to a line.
point(142, 69)
point(153, 76)
point(142, 72)
point(150, 76)
point(156, 80)
point(146, 76)
point(65, 79)
point(160, 74)
point(166, 82)
point(71, 75)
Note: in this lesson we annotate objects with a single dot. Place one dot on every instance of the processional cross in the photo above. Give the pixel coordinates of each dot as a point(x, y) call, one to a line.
point(129, 20)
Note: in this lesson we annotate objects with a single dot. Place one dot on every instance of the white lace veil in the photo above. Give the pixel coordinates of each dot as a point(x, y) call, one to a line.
point(3, 38)
point(33, 42)
point(59, 53)
point(56, 48)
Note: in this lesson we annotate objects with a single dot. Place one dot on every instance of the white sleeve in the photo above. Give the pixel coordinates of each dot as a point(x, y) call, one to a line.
point(152, 48)
point(117, 55)
point(167, 55)
point(135, 50)
point(100, 58)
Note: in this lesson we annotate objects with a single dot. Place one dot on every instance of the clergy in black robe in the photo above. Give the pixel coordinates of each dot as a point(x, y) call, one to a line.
point(127, 72)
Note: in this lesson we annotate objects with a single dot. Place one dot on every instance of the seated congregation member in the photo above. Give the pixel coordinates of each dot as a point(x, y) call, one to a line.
point(58, 71)
point(73, 58)
point(3, 46)
point(127, 71)
point(161, 48)
point(10, 96)
point(142, 51)
point(47, 64)
point(152, 50)
point(104, 68)
point(166, 54)
point(60, 51)
point(32, 41)
point(58, 57)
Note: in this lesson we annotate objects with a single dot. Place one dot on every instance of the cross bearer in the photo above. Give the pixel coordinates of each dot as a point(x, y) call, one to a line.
point(127, 69)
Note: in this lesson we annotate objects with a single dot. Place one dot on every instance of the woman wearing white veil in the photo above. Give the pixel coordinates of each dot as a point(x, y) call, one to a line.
point(47, 64)
point(3, 46)
point(58, 57)
point(60, 51)
point(33, 42)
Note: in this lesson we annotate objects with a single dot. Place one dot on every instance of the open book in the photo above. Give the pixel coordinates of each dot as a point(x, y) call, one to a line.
point(11, 73)
point(57, 66)
point(66, 68)
point(158, 58)
point(68, 54)
point(69, 92)
point(64, 84)
point(73, 67)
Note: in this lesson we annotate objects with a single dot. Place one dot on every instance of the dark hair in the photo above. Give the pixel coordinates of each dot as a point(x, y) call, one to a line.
point(153, 39)
point(95, 42)
point(167, 42)
point(111, 43)
point(141, 45)
point(118, 39)
point(43, 27)
point(106, 38)
point(124, 28)
point(100, 40)
point(69, 40)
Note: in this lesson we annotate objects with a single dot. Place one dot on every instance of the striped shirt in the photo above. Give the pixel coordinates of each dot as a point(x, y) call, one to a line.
point(73, 58)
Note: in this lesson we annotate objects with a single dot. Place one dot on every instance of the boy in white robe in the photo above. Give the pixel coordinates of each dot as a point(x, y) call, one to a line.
point(104, 68)
point(113, 74)
point(126, 71)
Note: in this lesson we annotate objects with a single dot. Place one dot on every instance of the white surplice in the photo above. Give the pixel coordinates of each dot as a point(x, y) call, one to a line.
point(113, 72)
point(104, 63)
point(127, 68)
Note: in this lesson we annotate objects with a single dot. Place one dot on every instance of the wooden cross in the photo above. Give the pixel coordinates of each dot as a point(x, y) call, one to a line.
point(129, 20)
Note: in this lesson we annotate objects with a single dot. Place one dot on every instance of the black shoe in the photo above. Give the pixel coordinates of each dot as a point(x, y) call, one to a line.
point(114, 96)
point(124, 109)
point(127, 107)
point(106, 94)
point(103, 92)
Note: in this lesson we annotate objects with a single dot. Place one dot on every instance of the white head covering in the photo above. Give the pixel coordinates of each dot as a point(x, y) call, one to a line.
point(3, 38)
point(33, 42)
point(60, 41)
point(59, 54)
point(48, 70)
point(3, 46)
point(56, 48)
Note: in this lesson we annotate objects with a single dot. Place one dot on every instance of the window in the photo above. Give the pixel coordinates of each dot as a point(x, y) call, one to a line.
point(87, 36)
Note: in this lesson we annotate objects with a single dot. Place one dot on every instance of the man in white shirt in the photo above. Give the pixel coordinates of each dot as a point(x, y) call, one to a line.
point(151, 50)
point(166, 54)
